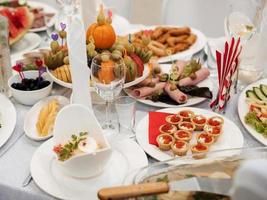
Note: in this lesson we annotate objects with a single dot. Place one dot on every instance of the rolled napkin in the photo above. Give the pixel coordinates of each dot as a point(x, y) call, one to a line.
point(176, 95)
point(80, 72)
point(145, 91)
point(201, 75)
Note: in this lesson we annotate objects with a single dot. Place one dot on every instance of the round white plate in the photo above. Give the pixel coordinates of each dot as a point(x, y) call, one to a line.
point(191, 100)
point(230, 138)
point(8, 118)
point(196, 47)
point(32, 117)
point(46, 9)
point(126, 85)
point(243, 109)
point(29, 42)
point(126, 157)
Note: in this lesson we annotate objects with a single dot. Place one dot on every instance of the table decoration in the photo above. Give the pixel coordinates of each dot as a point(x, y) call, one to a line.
point(78, 60)
point(227, 64)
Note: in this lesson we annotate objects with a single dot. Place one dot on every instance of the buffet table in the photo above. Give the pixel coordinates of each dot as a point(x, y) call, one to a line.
point(15, 163)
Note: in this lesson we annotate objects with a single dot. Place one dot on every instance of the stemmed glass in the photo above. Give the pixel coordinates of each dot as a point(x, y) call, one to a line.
point(107, 76)
point(243, 20)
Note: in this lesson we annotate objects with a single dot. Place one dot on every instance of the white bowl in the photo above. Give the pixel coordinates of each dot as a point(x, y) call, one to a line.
point(30, 97)
point(73, 119)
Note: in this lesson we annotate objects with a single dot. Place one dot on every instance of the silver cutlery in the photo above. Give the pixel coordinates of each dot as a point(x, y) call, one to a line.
point(27, 180)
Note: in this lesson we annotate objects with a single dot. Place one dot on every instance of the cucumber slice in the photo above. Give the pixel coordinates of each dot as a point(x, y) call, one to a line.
point(263, 89)
point(257, 91)
point(251, 95)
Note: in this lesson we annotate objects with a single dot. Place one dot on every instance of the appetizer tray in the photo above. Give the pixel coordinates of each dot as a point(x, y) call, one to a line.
point(231, 136)
point(8, 118)
point(196, 47)
point(248, 95)
point(126, 157)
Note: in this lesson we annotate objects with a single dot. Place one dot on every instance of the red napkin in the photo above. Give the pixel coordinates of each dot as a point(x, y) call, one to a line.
point(156, 119)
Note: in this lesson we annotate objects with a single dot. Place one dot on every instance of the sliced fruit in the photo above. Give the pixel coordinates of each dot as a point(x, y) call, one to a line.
point(139, 63)
point(263, 89)
point(19, 20)
point(259, 94)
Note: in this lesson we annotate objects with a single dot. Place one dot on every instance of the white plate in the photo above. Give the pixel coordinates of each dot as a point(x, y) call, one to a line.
point(230, 138)
point(29, 42)
point(32, 117)
point(126, 157)
point(196, 47)
point(243, 109)
point(126, 85)
point(8, 118)
point(46, 9)
point(191, 100)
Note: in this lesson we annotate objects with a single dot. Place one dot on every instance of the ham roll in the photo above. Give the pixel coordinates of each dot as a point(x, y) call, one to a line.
point(145, 91)
point(180, 65)
point(148, 81)
point(176, 95)
point(201, 75)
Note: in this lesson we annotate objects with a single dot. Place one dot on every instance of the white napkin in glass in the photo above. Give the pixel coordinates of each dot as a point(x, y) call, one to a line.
point(78, 61)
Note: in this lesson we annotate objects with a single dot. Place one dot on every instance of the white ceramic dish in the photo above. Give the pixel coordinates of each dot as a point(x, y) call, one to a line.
point(46, 9)
point(126, 157)
point(32, 117)
point(8, 118)
point(196, 47)
point(191, 100)
point(29, 42)
point(243, 109)
point(230, 138)
point(30, 97)
point(126, 85)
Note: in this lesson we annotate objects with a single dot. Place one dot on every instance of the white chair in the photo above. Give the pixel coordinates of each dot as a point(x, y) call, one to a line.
point(205, 15)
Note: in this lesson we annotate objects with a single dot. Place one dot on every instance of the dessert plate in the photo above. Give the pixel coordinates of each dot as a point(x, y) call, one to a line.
point(191, 100)
point(29, 42)
point(243, 109)
point(8, 118)
point(196, 47)
point(32, 117)
point(46, 9)
point(126, 157)
point(231, 136)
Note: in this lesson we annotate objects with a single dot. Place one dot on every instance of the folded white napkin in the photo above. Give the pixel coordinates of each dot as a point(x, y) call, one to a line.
point(78, 61)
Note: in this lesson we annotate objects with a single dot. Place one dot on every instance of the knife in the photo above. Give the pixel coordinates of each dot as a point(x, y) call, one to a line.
point(203, 184)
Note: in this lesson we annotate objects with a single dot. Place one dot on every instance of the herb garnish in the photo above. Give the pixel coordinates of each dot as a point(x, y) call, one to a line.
point(66, 151)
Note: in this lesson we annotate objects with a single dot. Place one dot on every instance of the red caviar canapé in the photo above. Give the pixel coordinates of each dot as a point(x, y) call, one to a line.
point(182, 134)
point(165, 139)
point(206, 137)
point(200, 147)
point(185, 114)
point(179, 144)
point(199, 119)
point(215, 121)
point(167, 127)
point(175, 118)
point(187, 125)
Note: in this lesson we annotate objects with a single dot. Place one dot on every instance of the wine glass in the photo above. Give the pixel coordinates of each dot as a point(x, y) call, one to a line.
point(107, 76)
point(244, 20)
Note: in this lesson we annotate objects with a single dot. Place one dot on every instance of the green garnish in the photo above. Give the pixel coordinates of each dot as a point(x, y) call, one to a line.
point(252, 119)
point(66, 151)
point(163, 179)
point(190, 68)
point(249, 27)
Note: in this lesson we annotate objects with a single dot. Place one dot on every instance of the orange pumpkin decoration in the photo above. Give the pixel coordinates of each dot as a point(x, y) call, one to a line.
point(102, 32)
point(106, 73)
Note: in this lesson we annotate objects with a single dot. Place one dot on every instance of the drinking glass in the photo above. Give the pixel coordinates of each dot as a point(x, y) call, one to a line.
point(125, 108)
point(107, 76)
point(244, 20)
